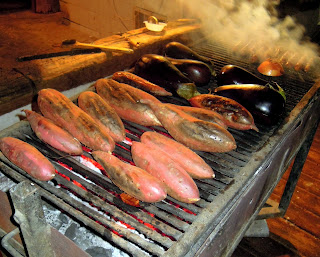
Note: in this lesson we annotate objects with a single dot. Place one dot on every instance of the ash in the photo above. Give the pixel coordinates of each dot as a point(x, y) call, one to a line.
point(5, 183)
point(81, 236)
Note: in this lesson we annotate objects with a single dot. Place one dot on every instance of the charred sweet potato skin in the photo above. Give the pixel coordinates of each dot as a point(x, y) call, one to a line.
point(203, 114)
point(131, 179)
point(64, 113)
point(52, 134)
point(125, 100)
point(101, 111)
point(28, 158)
point(188, 159)
point(194, 133)
point(140, 83)
point(178, 182)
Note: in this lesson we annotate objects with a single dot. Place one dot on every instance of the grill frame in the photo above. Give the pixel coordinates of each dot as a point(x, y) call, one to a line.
point(209, 229)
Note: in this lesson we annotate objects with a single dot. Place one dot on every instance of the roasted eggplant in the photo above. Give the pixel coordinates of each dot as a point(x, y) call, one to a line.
point(160, 71)
point(178, 50)
point(232, 74)
point(265, 103)
point(197, 71)
point(235, 115)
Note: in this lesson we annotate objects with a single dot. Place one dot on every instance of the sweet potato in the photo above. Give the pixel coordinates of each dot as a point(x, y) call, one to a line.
point(193, 133)
point(125, 100)
point(131, 179)
point(178, 182)
point(53, 135)
point(64, 113)
point(188, 159)
point(203, 114)
point(101, 111)
point(28, 158)
point(139, 82)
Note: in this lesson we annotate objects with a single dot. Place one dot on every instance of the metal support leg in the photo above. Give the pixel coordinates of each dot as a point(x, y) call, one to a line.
point(29, 214)
point(278, 209)
point(5, 242)
point(41, 240)
point(295, 172)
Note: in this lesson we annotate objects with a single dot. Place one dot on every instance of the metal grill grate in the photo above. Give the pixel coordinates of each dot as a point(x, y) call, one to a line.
point(156, 226)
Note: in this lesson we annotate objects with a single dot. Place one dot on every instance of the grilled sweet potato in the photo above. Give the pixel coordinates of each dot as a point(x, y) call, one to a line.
point(101, 111)
point(193, 133)
point(53, 135)
point(131, 179)
point(178, 182)
point(28, 158)
point(125, 100)
point(188, 159)
point(203, 114)
point(64, 113)
point(141, 83)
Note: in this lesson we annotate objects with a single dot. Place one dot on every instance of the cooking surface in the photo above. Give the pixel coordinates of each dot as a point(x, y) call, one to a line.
point(163, 223)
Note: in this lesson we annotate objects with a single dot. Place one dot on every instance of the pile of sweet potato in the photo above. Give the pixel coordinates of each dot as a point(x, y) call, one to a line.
point(162, 165)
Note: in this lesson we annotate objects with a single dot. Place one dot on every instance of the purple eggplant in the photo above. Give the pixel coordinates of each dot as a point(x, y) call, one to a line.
point(160, 71)
point(180, 51)
point(232, 74)
point(265, 103)
point(197, 71)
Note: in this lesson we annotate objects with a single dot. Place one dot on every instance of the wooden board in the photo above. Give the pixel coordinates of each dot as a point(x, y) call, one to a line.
point(18, 87)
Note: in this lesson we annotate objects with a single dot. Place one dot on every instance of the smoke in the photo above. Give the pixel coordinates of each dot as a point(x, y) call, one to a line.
point(252, 27)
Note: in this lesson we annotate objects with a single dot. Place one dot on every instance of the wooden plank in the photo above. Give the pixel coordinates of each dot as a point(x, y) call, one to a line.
point(261, 247)
point(301, 217)
point(14, 89)
point(294, 238)
point(305, 182)
point(63, 73)
point(302, 198)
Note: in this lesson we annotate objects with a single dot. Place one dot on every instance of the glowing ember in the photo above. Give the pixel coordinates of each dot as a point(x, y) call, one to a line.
point(130, 200)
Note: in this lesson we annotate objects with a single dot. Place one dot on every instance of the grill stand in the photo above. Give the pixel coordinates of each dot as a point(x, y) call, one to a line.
point(40, 238)
point(279, 209)
point(259, 228)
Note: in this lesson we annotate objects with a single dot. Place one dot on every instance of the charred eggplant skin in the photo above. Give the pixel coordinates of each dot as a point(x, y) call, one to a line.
point(235, 75)
point(160, 71)
point(197, 71)
point(265, 103)
point(178, 50)
point(235, 115)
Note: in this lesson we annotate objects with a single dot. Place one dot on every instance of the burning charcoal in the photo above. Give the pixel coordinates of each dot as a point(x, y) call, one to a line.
point(100, 252)
point(71, 231)
point(63, 218)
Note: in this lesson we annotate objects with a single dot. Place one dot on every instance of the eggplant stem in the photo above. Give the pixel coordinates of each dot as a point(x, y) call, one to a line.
point(278, 89)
